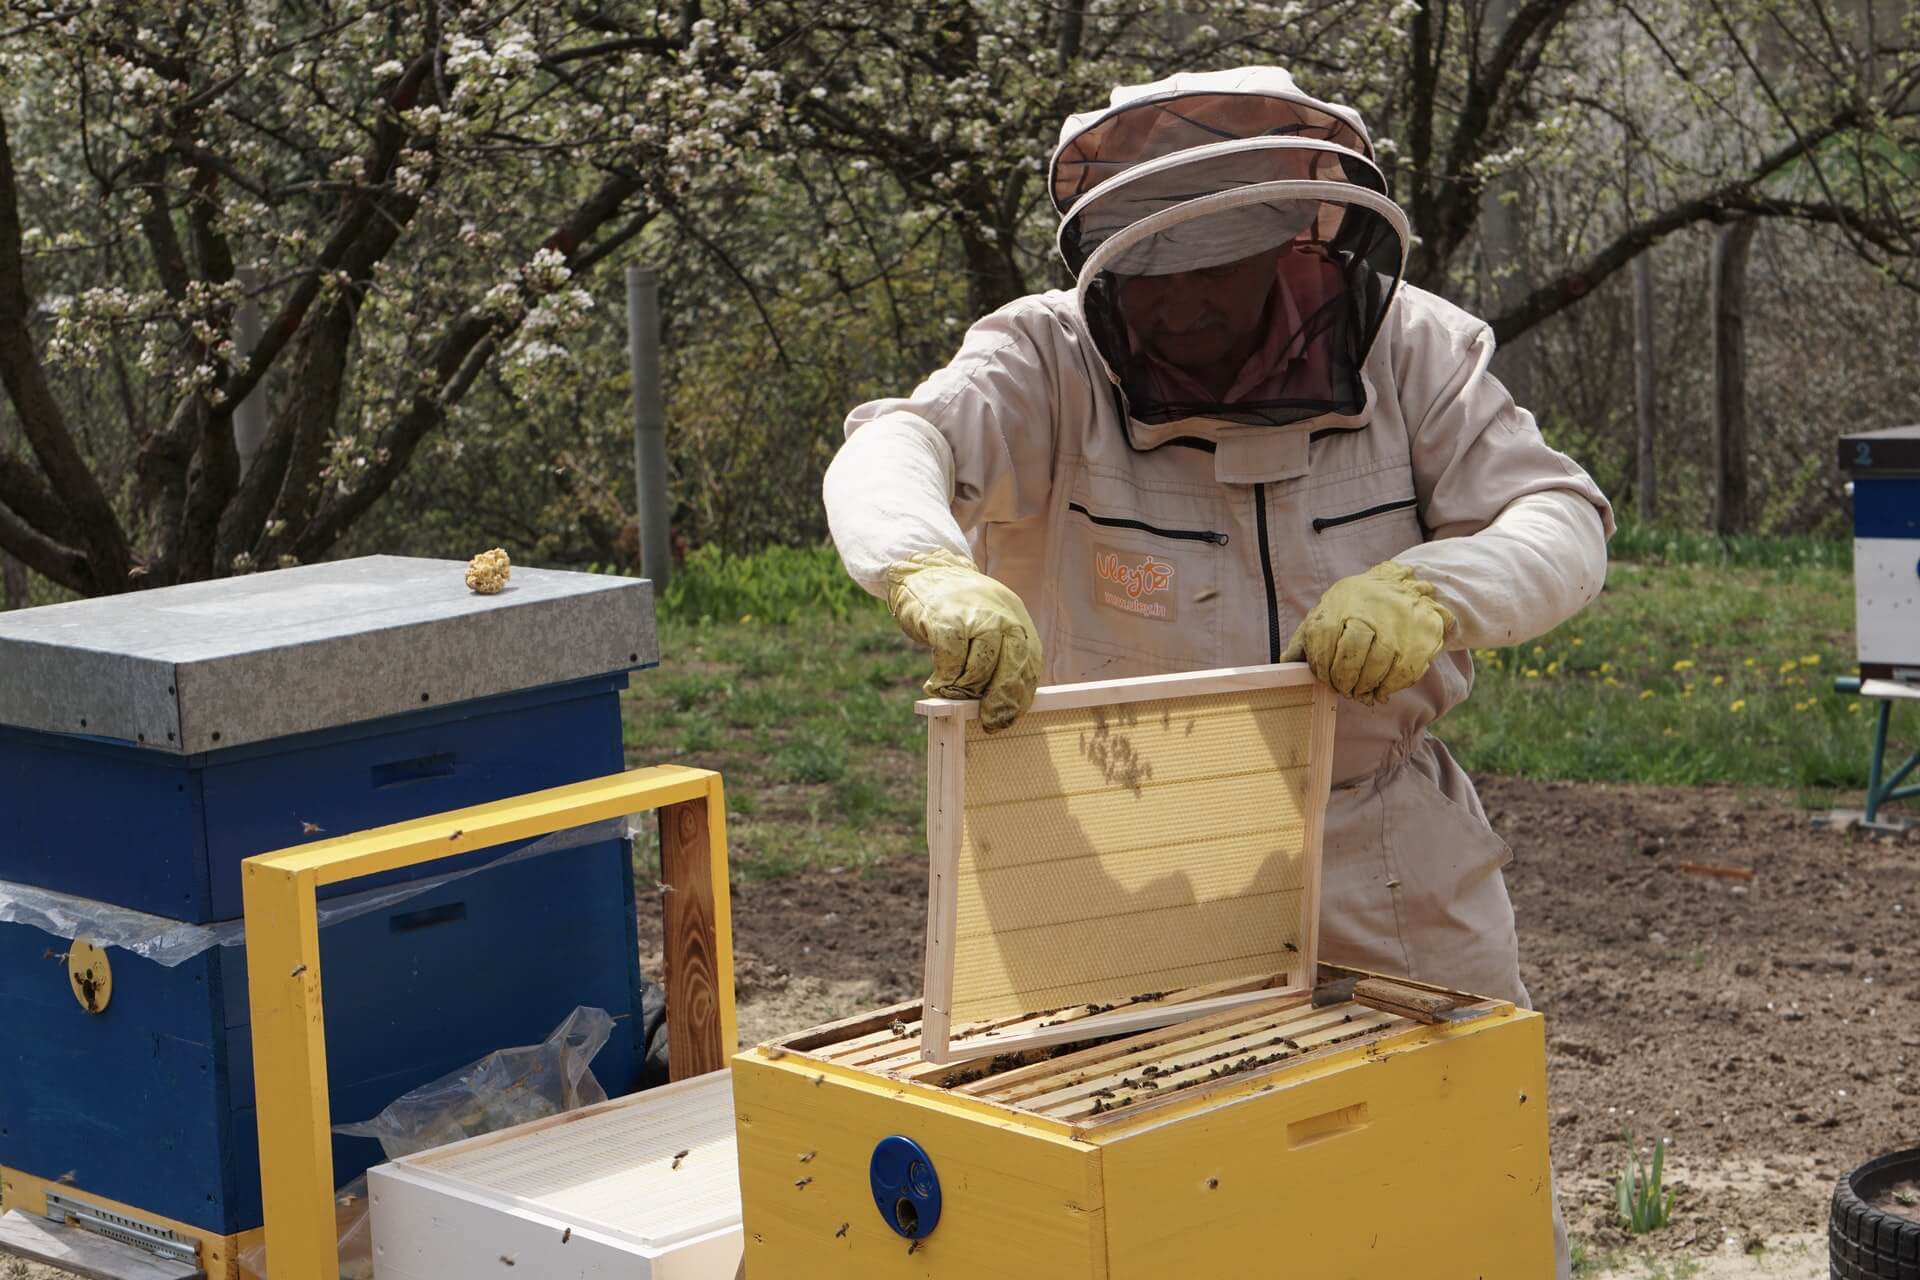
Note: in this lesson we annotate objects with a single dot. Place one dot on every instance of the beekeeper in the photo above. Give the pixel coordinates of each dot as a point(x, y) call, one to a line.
point(1241, 438)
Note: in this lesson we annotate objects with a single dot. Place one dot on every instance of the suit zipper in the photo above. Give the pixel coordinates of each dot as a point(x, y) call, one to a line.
point(1266, 572)
point(1185, 535)
point(1321, 523)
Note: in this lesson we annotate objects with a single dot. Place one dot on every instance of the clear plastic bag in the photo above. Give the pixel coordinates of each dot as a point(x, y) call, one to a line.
point(505, 1088)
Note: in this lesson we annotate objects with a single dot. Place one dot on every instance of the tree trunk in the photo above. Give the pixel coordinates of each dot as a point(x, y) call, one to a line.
point(1503, 246)
point(1645, 483)
point(13, 583)
point(1730, 246)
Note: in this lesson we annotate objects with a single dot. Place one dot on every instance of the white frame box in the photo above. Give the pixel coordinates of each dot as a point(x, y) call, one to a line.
point(644, 1187)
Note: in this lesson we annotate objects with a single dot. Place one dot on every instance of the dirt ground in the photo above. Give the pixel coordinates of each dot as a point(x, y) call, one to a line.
point(1769, 1028)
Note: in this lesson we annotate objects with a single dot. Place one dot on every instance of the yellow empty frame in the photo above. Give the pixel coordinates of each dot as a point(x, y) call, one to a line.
point(283, 965)
point(1124, 839)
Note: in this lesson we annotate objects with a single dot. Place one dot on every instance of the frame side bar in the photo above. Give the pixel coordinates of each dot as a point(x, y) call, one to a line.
point(290, 1069)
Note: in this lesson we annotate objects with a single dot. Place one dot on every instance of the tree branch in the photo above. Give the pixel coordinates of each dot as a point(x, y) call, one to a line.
point(454, 369)
point(65, 565)
point(1737, 196)
point(41, 419)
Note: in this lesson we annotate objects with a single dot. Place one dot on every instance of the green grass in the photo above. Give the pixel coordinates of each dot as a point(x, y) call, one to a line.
point(797, 687)
point(1649, 544)
point(1642, 1205)
point(1681, 674)
point(1705, 663)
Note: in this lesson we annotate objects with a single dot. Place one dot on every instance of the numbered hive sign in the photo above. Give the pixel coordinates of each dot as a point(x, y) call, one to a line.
point(1130, 853)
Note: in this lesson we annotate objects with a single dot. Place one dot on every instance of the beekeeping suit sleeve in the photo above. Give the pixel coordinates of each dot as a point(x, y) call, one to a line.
point(1518, 531)
point(972, 446)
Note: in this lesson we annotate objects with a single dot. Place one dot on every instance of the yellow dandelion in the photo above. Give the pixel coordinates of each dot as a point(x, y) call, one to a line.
point(1751, 662)
point(1811, 660)
point(1577, 642)
point(1611, 683)
point(1739, 705)
point(1605, 667)
point(1533, 673)
point(1718, 681)
point(1553, 668)
point(1539, 651)
point(1787, 666)
point(1645, 694)
point(1853, 708)
point(1683, 664)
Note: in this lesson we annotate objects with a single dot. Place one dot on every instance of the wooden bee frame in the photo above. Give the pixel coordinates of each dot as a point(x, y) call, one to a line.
point(1130, 854)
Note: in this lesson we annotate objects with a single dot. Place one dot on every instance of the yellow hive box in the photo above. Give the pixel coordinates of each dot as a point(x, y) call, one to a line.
point(1128, 1062)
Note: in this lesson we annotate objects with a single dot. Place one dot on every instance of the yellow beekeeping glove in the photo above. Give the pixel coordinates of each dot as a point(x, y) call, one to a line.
point(983, 641)
point(1372, 634)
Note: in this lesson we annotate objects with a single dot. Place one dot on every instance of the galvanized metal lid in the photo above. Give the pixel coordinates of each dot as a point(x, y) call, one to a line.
point(210, 665)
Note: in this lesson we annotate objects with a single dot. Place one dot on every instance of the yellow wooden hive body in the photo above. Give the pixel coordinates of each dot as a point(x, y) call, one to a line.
point(1118, 1071)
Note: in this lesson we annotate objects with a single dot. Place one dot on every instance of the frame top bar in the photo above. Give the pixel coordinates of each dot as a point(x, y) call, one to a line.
point(1099, 693)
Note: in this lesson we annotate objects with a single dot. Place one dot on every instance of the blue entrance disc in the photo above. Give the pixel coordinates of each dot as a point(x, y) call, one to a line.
point(906, 1189)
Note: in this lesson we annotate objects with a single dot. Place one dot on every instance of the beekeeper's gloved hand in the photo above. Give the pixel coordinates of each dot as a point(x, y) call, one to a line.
point(1372, 634)
point(983, 641)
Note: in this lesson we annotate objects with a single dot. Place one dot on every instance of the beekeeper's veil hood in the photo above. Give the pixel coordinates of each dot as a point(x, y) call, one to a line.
point(1205, 169)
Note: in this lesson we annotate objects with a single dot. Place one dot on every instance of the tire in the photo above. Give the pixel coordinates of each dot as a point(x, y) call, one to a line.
point(1865, 1243)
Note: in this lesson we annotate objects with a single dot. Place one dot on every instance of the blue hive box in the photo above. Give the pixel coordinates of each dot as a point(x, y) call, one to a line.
point(150, 742)
point(1885, 471)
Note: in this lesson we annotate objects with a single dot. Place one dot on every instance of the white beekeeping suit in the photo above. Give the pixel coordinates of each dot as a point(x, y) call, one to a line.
point(1240, 420)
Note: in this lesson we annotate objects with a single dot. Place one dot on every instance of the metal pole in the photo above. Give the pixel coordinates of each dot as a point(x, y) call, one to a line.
point(1644, 406)
point(250, 415)
point(649, 431)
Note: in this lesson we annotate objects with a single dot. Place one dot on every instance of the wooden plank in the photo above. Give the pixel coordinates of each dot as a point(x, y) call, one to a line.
point(943, 1074)
point(1117, 1023)
point(946, 789)
point(1197, 1064)
point(538, 813)
point(83, 1253)
point(830, 1035)
point(1396, 997)
point(719, 879)
point(1097, 693)
point(1010, 1085)
point(1208, 1093)
point(290, 1068)
point(694, 1036)
point(1178, 1056)
point(1319, 787)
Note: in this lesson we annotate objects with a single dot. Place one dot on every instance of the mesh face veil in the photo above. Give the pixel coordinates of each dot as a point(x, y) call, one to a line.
point(1235, 253)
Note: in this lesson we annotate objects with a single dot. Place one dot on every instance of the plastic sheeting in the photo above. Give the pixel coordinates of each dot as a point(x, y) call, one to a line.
point(505, 1088)
point(174, 942)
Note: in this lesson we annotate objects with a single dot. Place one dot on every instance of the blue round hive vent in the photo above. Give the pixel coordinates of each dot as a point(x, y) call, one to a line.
point(906, 1189)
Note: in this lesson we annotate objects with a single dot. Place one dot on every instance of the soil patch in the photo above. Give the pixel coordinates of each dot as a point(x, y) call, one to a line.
point(1902, 1199)
point(1768, 1029)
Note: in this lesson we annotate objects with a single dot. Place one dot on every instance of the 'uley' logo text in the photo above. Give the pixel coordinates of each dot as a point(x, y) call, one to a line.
point(1132, 585)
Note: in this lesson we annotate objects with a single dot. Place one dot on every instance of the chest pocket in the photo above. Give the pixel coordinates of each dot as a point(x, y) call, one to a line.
point(1353, 522)
point(1139, 578)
